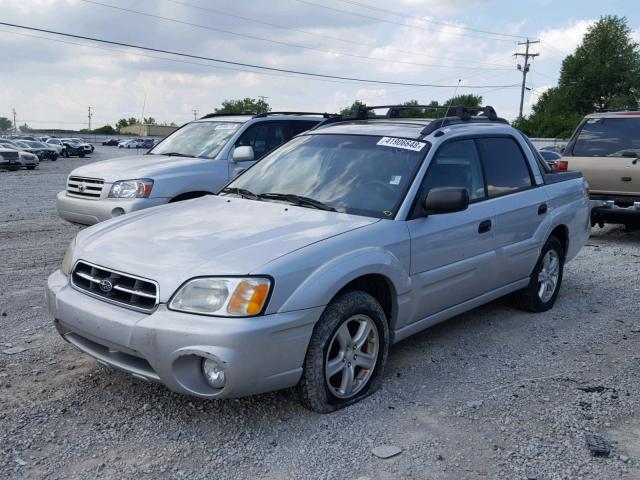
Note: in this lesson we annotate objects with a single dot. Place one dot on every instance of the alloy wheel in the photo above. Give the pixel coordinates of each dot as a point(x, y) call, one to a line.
point(548, 276)
point(352, 356)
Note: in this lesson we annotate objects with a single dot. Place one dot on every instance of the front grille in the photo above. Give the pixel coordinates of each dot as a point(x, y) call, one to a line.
point(10, 156)
point(115, 287)
point(85, 187)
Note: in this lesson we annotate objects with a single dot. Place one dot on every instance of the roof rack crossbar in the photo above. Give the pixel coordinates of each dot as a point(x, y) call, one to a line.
point(211, 115)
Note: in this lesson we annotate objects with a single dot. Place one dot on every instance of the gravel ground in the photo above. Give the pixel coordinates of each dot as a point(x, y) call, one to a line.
point(494, 393)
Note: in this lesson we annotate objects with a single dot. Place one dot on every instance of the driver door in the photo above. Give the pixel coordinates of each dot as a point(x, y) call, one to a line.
point(452, 255)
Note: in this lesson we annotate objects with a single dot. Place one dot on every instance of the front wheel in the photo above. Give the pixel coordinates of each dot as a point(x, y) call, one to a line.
point(346, 355)
point(545, 280)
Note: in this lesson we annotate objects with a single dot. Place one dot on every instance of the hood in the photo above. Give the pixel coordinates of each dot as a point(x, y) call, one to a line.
point(135, 166)
point(207, 236)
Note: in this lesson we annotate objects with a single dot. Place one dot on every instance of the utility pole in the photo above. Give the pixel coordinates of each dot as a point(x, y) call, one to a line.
point(195, 114)
point(15, 125)
point(89, 117)
point(525, 69)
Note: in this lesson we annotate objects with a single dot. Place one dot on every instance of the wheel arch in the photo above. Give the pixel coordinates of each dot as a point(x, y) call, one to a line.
point(561, 232)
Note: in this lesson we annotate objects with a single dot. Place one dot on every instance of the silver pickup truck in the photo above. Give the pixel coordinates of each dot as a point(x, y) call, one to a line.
point(197, 159)
point(305, 269)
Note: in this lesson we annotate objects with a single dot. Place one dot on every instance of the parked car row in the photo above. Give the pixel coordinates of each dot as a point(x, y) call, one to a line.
point(301, 269)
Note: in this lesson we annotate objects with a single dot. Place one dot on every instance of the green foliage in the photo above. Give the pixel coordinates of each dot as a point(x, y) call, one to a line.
point(244, 105)
point(352, 109)
point(125, 122)
point(468, 100)
point(25, 128)
point(5, 124)
point(106, 130)
point(602, 74)
point(149, 121)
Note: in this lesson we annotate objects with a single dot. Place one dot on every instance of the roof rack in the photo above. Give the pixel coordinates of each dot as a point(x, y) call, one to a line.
point(460, 114)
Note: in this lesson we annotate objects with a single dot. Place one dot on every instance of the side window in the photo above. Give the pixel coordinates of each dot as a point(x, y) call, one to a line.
point(456, 164)
point(299, 126)
point(267, 136)
point(505, 167)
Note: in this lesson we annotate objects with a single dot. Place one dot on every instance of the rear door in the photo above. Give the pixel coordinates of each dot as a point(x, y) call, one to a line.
point(519, 205)
point(605, 150)
point(452, 254)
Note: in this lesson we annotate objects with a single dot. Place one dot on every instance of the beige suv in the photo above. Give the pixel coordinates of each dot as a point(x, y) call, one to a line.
point(606, 149)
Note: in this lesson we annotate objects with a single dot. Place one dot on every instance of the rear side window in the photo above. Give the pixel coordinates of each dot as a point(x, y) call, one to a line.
point(505, 166)
point(608, 137)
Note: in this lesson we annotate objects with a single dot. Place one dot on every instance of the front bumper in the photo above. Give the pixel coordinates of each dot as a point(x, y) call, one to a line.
point(259, 354)
point(88, 212)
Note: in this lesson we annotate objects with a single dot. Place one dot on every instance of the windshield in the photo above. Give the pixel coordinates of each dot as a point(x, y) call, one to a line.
point(608, 137)
point(197, 139)
point(363, 175)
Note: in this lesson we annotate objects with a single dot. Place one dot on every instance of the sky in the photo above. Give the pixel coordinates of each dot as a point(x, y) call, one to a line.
point(453, 44)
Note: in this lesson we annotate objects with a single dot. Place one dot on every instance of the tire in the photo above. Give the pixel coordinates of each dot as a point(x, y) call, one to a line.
point(81, 155)
point(353, 312)
point(31, 168)
point(65, 153)
point(533, 298)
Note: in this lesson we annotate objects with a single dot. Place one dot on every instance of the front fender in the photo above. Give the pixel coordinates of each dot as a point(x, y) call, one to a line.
point(329, 278)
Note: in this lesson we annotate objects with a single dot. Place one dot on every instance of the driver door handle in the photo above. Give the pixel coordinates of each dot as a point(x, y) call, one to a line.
point(484, 226)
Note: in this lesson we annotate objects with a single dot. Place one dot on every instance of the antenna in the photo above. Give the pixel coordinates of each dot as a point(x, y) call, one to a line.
point(451, 100)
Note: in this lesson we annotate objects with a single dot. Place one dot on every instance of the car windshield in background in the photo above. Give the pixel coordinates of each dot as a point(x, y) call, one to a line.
point(198, 139)
point(608, 137)
point(363, 175)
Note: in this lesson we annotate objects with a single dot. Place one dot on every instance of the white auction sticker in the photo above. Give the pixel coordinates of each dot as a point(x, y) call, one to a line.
point(401, 143)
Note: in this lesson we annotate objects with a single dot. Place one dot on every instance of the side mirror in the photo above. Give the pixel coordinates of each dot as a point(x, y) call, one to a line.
point(446, 200)
point(243, 154)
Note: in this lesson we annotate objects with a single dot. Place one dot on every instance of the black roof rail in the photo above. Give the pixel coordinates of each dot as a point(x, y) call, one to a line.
point(211, 115)
point(615, 110)
point(322, 114)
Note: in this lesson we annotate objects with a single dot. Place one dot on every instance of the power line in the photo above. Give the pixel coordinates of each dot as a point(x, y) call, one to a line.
point(377, 19)
point(277, 42)
point(428, 20)
point(328, 37)
point(249, 65)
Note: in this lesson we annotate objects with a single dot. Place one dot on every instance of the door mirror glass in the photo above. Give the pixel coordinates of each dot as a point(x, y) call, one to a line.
point(243, 154)
point(446, 200)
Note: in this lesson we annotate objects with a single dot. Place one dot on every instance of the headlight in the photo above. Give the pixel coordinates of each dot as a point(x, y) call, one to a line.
point(68, 258)
point(223, 297)
point(140, 188)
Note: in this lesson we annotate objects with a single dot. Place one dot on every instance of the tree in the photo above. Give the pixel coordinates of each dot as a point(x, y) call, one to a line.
point(5, 124)
point(149, 121)
point(25, 128)
point(105, 130)
point(244, 105)
point(352, 109)
point(126, 122)
point(603, 73)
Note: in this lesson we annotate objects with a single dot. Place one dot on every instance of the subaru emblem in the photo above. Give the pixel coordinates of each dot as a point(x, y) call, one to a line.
point(106, 286)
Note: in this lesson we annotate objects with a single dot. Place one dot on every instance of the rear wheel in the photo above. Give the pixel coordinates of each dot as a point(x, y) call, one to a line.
point(346, 355)
point(545, 280)
point(31, 167)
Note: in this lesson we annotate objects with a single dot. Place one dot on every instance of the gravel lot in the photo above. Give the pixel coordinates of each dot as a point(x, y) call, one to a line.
point(494, 393)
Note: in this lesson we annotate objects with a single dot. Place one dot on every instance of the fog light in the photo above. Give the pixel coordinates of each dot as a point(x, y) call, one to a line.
point(213, 372)
point(116, 212)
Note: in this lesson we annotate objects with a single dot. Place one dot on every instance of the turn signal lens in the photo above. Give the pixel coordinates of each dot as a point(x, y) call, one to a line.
point(249, 297)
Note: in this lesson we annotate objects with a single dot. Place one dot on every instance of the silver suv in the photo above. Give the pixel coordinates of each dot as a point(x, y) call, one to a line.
point(197, 159)
point(305, 269)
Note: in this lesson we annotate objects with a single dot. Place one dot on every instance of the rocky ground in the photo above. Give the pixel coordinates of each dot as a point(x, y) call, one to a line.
point(495, 393)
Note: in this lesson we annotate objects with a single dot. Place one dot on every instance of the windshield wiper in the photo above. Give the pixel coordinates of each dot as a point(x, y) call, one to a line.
point(173, 154)
point(297, 200)
point(242, 192)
